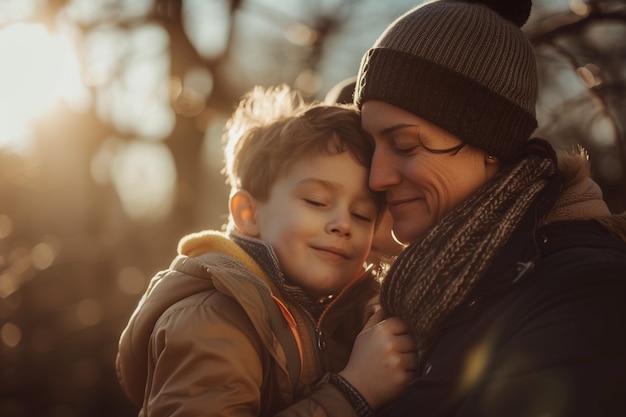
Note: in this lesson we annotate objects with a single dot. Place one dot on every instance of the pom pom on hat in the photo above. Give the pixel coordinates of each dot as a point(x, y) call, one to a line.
point(464, 65)
point(516, 11)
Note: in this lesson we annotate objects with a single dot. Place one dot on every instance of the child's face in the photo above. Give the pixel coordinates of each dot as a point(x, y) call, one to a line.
point(319, 218)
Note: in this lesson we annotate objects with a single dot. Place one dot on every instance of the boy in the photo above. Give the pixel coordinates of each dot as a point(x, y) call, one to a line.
point(261, 320)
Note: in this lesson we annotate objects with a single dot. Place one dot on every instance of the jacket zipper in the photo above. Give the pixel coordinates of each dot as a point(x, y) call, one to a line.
point(321, 343)
point(317, 325)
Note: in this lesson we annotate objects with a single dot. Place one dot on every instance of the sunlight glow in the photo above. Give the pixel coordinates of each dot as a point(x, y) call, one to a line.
point(11, 335)
point(207, 25)
point(38, 70)
point(144, 176)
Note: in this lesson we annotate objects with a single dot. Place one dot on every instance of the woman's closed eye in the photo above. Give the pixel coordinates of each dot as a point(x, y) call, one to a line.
point(410, 149)
point(406, 149)
point(406, 144)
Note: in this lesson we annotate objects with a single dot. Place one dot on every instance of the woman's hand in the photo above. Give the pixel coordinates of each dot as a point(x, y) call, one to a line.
point(383, 360)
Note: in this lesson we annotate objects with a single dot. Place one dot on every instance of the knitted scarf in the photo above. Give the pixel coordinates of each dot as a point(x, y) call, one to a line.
point(433, 276)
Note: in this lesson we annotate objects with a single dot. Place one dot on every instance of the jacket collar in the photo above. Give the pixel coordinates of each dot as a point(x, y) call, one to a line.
point(262, 253)
point(535, 238)
point(265, 256)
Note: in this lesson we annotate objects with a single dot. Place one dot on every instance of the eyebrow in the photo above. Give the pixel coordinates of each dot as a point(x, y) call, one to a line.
point(399, 126)
point(313, 180)
point(333, 185)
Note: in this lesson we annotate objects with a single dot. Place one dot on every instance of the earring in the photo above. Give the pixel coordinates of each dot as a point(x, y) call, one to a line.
point(491, 158)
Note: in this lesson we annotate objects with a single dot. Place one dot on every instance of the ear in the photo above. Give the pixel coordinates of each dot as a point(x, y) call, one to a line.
point(490, 159)
point(243, 212)
point(492, 165)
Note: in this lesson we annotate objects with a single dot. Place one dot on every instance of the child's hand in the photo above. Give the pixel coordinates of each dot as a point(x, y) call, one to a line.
point(383, 360)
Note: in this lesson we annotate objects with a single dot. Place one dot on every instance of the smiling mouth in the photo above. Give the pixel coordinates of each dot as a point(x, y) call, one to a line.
point(332, 253)
point(401, 203)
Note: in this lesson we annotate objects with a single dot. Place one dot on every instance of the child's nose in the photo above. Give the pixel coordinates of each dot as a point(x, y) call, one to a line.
point(341, 232)
point(341, 224)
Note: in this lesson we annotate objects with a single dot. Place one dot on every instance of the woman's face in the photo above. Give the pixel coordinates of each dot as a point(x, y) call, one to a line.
point(421, 185)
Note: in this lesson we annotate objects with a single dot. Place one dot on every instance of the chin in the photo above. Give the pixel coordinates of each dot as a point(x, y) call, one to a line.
point(410, 231)
point(411, 236)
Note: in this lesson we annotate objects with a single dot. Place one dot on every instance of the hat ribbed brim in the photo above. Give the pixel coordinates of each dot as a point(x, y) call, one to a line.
point(450, 100)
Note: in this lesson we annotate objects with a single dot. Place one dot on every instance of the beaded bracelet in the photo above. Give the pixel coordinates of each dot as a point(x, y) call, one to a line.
point(353, 396)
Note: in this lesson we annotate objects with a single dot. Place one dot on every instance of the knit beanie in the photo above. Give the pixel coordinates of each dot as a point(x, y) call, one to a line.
point(465, 66)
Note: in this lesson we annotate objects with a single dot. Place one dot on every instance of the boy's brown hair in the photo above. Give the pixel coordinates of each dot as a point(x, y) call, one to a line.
point(272, 129)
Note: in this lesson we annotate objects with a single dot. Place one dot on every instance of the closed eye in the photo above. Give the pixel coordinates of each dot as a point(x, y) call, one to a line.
point(410, 150)
point(407, 150)
point(314, 203)
point(363, 217)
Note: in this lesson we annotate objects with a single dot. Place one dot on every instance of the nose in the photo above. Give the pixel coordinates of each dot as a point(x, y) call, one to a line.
point(383, 174)
point(340, 223)
point(341, 232)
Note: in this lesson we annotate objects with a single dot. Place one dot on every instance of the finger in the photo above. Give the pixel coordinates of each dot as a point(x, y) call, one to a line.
point(376, 318)
point(395, 325)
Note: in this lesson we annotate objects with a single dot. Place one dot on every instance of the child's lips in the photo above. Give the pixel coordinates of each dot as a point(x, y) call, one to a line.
point(332, 252)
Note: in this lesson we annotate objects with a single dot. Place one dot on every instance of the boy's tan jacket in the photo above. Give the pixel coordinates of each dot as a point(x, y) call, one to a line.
point(211, 337)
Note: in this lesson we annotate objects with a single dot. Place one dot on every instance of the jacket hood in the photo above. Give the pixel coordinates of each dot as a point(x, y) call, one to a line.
point(210, 268)
point(581, 197)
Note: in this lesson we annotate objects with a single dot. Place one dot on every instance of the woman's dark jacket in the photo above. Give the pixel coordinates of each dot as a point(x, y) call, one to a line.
point(542, 335)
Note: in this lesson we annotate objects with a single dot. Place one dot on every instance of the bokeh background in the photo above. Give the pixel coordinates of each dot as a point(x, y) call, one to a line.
point(111, 114)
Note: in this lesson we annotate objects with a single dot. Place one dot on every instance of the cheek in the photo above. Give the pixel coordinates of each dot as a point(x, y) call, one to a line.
point(284, 242)
point(423, 171)
point(463, 184)
point(443, 190)
point(274, 226)
point(289, 227)
point(367, 238)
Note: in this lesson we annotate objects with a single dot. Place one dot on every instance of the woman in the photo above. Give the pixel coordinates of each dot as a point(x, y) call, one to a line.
point(514, 280)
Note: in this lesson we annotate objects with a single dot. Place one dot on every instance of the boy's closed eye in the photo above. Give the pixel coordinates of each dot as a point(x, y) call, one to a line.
point(363, 215)
point(315, 203)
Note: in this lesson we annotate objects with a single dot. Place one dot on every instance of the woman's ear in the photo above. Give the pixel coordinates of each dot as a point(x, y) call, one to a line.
point(243, 212)
point(492, 166)
point(490, 159)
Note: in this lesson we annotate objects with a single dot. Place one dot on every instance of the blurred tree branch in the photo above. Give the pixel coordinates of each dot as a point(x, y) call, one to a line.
point(567, 35)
